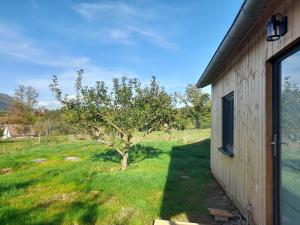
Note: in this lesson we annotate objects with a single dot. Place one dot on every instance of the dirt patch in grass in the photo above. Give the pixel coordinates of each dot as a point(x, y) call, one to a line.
point(124, 216)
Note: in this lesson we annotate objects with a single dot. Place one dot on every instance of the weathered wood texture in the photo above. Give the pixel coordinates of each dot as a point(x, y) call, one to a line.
point(247, 177)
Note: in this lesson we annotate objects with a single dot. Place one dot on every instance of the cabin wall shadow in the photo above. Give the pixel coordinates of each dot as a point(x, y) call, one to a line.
point(188, 176)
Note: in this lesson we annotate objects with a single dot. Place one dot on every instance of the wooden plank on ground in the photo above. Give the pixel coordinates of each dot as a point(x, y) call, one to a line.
point(220, 213)
point(165, 222)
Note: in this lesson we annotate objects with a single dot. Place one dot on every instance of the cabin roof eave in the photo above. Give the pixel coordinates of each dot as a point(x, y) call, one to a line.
point(246, 17)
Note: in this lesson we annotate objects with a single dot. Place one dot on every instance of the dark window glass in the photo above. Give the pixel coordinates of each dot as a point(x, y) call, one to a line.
point(289, 127)
point(227, 128)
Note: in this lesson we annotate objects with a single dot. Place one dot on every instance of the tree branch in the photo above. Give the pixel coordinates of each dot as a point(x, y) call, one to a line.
point(114, 125)
point(134, 143)
point(110, 144)
point(111, 123)
point(117, 128)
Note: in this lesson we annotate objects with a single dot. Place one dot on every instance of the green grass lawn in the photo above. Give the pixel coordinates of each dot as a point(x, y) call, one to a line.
point(166, 179)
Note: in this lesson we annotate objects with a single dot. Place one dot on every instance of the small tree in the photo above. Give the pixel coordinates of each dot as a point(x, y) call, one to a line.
point(198, 105)
point(22, 110)
point(113, 117)
point(50, 122)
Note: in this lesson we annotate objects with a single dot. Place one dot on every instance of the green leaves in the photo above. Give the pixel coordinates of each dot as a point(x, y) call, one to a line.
point(290, 107)
point(22, 110)
point(197, 106)
point(115, 114)
point(112, 115)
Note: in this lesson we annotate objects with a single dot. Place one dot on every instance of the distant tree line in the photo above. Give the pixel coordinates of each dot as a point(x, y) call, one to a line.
point(25, 113)
point(190, 109)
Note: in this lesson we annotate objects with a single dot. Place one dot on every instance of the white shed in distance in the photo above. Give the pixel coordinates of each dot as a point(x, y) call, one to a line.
point(6, 134)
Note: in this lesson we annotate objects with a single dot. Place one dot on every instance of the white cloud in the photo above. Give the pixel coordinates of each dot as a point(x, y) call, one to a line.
point(125, 24)
point(21, 48)
point(18, 47)
point(121, 36)
point(114, 9)
point(156, 38)
point(111, 36)
point(131, 36)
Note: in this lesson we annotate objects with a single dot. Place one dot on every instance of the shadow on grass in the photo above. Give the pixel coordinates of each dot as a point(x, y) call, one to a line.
point(136, 154)
point(16, 186)
point(90, 213)
point(14, 216)
point(185, 192)
point(28, 216)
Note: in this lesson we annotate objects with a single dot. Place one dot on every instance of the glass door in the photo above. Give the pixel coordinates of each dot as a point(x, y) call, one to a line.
point(287, 139)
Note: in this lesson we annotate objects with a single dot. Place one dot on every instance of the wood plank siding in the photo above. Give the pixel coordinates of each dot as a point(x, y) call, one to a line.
point(247, 177)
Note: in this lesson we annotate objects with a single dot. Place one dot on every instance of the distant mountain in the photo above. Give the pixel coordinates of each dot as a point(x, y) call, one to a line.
point(5, 102)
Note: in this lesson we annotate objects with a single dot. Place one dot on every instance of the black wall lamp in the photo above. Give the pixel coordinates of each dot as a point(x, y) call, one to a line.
point(276, 27)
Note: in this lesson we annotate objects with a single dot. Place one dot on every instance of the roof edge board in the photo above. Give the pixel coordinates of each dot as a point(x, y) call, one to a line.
point(246, 16)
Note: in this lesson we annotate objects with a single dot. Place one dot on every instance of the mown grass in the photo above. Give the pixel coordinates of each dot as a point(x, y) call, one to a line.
point(166, 178)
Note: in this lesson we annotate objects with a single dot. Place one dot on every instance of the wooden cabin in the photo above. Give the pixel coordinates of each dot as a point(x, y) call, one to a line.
point(255, 87)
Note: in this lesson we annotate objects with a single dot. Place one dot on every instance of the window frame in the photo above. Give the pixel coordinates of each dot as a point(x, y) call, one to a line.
point(228, 124)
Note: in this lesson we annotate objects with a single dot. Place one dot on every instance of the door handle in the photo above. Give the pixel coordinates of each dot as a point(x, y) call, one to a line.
point(274, 143)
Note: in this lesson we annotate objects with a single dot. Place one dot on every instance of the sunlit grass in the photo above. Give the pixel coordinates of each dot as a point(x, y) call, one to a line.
point(93, 190)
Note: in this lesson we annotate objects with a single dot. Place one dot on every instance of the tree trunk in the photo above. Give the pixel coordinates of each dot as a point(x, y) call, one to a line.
point(47, 134)
point(40, 137)
point(124, 161)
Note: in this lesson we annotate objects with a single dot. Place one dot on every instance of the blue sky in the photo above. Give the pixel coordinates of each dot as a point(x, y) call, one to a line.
point(173, 40)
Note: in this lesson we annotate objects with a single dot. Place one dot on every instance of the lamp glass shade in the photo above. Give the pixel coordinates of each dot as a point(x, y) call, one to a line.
point(273, 30)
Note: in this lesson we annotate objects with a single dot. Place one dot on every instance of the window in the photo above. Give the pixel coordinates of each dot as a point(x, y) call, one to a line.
point(227, 124)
